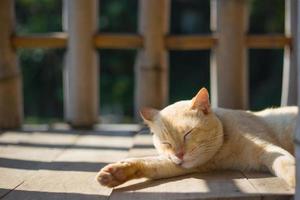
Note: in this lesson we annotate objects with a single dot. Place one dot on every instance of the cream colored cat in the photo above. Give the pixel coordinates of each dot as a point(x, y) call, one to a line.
point(192, 137)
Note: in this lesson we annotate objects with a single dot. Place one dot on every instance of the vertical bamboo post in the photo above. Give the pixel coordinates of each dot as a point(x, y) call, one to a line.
point(81, 69)
point(289, 79)
point(151, 68)
point(296, 50)
point(229, 78)
point(11, 105)
point(67, 104)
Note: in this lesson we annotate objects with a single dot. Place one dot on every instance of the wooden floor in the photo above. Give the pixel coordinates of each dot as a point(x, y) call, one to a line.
point(55, 163)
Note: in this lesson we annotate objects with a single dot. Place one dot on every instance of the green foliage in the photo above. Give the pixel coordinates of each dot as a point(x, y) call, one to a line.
point(190, 17)
point(265, 78)
point(39, 16)
point(189, 71)
point(267, 16)
point(118, 16)
point(117, 82)
point(42, 82)
point(265, 66)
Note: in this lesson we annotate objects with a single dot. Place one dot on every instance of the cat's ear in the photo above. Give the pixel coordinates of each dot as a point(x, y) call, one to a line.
point(201, 101)
point(148, 114)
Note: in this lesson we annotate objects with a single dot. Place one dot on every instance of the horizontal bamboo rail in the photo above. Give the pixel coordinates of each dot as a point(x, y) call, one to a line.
point(118, 41)
point(49, 40)
point(175, 42)
point(268, 41)
point(134, 41)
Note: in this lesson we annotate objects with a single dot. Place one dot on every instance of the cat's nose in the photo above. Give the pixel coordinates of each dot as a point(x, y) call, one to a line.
point(180, 155)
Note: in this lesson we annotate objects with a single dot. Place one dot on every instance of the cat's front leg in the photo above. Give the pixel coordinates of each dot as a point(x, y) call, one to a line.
point(150, 167)
point(280, 163)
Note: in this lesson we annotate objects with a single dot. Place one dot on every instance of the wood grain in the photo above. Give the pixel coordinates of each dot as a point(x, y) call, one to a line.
point(18, 163)
point(59, 173)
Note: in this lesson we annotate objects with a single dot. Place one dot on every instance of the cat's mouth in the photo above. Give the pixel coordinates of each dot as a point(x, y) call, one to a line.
point(176, 160)
point(187, 164)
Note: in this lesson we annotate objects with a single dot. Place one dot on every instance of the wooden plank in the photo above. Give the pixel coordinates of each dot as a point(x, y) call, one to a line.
point(18, 163)
point(229, 57)
point(216, 185)
point(289, 79)
point(81, 71)
point(269, 186)
point(118, 127)
point(267, 41)
point(192, 42)
point(11, 105)
point(72, 174)
point(142, 145)
point(49, 40)
point(118, 41)
point(151, 69)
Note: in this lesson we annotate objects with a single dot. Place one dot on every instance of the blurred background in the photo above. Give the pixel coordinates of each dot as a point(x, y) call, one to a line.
point(189, 70)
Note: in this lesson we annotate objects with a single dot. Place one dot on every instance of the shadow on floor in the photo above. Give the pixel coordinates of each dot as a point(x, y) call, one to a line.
point(214, 186)
point(63, 146)
point(55, 165)
point(34, 195)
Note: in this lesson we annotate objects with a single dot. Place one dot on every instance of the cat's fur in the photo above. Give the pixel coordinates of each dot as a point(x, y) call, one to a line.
point(192, 137)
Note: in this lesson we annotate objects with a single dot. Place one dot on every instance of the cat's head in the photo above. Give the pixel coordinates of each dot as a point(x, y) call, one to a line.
point(187, 132)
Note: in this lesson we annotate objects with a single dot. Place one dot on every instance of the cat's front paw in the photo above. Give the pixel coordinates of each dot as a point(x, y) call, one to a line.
point(117, 173)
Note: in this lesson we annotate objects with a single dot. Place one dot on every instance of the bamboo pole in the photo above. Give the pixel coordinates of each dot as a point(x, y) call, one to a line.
point(151, 69)
point(228, 58)
point(296, 51)
point(81, 69)
point(11, 105)
point(66, 63)
point(289, 79)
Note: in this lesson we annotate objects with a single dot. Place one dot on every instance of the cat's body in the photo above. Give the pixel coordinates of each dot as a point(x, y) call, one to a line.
point(246, 135)
point(192, 137)
point(282, 123)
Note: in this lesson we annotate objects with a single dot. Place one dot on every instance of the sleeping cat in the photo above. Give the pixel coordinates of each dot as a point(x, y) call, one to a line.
point(190, 136)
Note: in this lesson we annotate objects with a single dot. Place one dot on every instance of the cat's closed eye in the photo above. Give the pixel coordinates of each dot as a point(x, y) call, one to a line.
point(167, 144)
point(186, 135)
